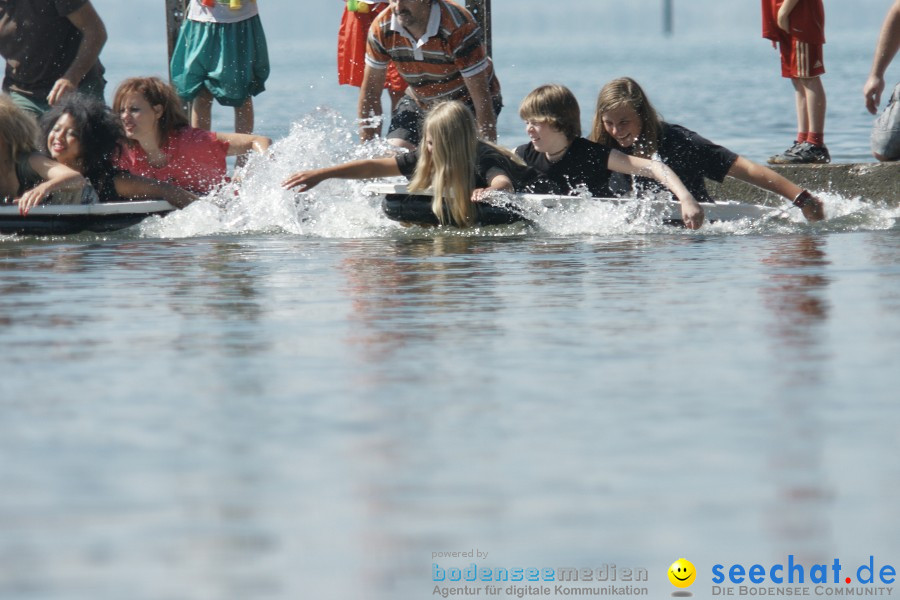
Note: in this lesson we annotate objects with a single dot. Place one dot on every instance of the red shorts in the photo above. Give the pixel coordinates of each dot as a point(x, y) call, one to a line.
point(800, 60)
point(351, 52)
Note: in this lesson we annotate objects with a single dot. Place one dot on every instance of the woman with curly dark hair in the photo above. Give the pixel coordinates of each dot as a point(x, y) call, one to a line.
point(84, 134)
point(27, 177)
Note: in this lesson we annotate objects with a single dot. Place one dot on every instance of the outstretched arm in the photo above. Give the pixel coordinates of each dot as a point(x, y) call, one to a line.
point(499, 182)
point(93, 38)
point(358, 169)
point(767, 179)
point(885, 50)
point(691, 211)
point(136, 187)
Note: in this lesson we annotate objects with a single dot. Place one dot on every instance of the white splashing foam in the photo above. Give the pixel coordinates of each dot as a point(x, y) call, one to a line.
point(255, 202)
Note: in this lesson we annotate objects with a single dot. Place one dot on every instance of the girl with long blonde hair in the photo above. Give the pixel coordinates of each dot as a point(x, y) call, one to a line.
point(452, 162)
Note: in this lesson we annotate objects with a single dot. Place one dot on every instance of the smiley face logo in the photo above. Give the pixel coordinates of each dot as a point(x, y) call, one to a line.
point(682, 573)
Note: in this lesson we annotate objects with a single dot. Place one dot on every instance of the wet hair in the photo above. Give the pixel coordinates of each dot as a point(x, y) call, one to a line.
point(448, 167)
point(98, 130)
point(556, 105)
point(621, 92)
point(157, 93)
point(18, 130)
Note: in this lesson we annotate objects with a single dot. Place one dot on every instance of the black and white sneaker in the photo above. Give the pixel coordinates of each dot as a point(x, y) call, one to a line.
point(785, 157)
point(808, 153)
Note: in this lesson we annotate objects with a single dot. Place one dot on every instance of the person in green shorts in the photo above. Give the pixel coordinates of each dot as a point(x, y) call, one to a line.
point(221, 53)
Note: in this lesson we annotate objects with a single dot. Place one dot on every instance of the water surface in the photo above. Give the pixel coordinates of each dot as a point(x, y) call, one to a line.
point(260, 397)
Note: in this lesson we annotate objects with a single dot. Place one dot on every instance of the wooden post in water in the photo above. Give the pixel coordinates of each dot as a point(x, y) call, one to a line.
point(667, 17)
point(175, 10)
point(481, 10)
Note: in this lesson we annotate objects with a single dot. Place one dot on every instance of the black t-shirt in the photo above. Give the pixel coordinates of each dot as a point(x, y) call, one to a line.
point(585, 164)
point(39, 44)
point(488, 164)
point(691, 156)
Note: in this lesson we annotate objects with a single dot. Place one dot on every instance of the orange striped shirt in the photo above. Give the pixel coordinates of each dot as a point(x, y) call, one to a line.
point(434, 70)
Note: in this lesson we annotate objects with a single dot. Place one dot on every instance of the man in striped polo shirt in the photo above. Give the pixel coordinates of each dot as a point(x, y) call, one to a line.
point(438, 48)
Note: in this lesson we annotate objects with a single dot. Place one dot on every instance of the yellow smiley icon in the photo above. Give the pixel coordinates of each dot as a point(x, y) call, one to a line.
point(682, 573)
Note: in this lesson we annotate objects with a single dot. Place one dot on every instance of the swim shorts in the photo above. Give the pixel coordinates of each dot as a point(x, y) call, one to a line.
point(801, 60)
point(230, 59)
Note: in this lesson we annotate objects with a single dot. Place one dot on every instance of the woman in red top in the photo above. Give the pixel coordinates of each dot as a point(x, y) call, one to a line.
point(162, 145)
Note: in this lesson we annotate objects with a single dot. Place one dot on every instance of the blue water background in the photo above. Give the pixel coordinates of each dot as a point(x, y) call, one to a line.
point(254, 400)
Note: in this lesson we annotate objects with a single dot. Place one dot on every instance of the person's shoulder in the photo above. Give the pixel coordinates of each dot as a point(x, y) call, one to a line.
point(665, 127)
point(582, 144)
point(66, 7)
point(525, 151)
point(680, 133)
point(28, 161)
point(672, 132)
point(490, 148)
point(458, 15)
point(482, 147)
point(191, 134)
point(188, 140)
point(410, 157)
point(381, 21)
point(678, 136)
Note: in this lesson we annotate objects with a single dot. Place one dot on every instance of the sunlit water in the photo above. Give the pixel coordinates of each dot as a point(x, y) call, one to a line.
point(277, 396)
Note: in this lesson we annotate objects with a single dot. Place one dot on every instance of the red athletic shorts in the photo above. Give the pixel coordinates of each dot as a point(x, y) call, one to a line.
point(800, 60)
point(351, 52)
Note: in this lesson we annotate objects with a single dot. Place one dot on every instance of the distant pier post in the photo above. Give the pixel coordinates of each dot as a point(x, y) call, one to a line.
point(667, 17)
point(174, 16)
point(481, 10)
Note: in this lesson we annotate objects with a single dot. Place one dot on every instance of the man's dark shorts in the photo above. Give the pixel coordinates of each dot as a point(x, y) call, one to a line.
point(408, 119)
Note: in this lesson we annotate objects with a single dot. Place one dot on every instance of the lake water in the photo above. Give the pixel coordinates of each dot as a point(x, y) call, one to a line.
point(255, 399)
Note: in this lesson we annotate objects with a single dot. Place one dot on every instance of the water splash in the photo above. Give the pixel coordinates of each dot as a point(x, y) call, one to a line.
point(254, 202)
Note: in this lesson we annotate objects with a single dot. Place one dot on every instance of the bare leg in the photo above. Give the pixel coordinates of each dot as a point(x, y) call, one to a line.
point(814, 94)
point(243, 117)
point(801, 104)
point(243, 123)
point(201, 110)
